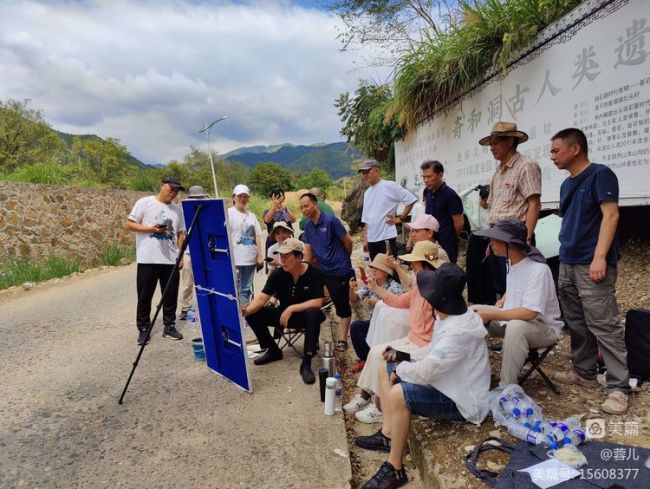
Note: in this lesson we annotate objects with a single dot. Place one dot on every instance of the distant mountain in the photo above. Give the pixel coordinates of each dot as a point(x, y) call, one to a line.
point(335, 158)
point(130, 159)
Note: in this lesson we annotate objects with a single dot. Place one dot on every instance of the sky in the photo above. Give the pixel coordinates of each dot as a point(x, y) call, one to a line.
point(152, 72)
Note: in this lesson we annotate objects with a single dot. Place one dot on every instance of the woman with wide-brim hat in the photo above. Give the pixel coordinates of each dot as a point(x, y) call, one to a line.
point(382, 273)
point(423, 257)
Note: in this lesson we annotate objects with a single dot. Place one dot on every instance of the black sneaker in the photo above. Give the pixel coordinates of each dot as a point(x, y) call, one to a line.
point(143, 337)
point(183, 315)
point(387, 478)
point(271, 355)
point(172, 332)
point(377, 442)
point(307, 375)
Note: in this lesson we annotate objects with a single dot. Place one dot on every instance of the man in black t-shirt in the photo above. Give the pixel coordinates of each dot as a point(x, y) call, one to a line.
point(299, 289)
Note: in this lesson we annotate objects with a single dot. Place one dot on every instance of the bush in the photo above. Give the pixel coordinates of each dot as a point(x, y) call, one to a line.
point(114, 253)
point(48, 173)
point(16, 272)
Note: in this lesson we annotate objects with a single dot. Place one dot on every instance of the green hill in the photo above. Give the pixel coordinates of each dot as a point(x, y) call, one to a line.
point(129, 158)
point(334, 158)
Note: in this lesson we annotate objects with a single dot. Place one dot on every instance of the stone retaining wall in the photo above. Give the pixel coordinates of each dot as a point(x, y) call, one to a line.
point(41, 220)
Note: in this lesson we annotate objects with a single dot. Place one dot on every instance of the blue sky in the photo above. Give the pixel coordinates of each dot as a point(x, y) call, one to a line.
point(152, 72)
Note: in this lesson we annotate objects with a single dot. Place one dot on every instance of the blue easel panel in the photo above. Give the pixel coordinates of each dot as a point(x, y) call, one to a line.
point(214, 279)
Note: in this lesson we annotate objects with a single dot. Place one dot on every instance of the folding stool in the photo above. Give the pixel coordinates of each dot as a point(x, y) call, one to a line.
point(535, 359)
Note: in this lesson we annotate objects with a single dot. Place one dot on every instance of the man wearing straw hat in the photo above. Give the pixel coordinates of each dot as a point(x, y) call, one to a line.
point(516, 186)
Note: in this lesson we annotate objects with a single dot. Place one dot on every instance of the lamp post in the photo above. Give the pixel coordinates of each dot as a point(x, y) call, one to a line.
point(206, 129)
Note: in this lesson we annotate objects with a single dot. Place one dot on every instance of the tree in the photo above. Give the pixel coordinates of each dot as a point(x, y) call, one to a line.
point(102, 160)
point(316, 178)
point(364, 116)
point(197, 164)
point(268, 176)
point(25, 138)
point(393, 25)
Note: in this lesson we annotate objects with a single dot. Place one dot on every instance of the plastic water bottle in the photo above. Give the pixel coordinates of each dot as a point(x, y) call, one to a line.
point(575, 437)
point(531, 436)
point(338, 393)
point(522, 410)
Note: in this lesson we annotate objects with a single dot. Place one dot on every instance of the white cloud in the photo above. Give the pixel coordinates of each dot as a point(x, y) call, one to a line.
point(151, 73)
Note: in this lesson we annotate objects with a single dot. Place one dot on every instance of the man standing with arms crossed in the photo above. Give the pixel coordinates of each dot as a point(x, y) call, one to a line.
point(588, 256)
point(515, 190)
point(160, 231)
point(380, 202)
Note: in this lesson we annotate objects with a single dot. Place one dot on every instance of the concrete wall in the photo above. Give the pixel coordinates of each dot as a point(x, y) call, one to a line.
point(41, 220)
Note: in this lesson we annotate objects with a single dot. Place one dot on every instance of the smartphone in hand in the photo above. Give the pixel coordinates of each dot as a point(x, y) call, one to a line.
point(364, 276)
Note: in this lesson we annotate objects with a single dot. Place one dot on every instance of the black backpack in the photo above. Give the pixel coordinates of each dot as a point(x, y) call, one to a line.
point(637, 340)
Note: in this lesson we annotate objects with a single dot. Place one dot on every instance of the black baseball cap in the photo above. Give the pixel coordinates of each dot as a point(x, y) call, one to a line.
point(173, 182)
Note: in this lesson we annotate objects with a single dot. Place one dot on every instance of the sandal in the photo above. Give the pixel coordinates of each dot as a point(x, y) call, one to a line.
point(358, 366)
point(341, 345)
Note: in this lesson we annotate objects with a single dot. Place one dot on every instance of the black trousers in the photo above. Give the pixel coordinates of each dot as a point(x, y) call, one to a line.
point(480, 286)
point(380, 247)
point(308, 320)
point(149, 275)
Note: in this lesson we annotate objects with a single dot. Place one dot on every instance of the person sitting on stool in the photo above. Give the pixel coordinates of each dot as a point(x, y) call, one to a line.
point(299, 288)
point(528, 315)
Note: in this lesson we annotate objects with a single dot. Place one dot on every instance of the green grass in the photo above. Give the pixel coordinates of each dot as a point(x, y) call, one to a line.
point(113, 253)
point(16, 272)
point(440, 68)
point(19, 271)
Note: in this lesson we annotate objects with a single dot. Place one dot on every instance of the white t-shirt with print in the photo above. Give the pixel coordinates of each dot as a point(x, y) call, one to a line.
point(244, 227)
point(530, 284)
point(157, 248)
point(380, 201)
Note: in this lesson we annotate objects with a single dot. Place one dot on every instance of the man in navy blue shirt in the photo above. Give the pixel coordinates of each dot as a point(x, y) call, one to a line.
point(328, 246)
point(587, 282)
point(443, 203)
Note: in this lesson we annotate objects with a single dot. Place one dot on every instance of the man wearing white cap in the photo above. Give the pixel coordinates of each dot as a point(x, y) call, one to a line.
point(246, 236)
point(380, 203)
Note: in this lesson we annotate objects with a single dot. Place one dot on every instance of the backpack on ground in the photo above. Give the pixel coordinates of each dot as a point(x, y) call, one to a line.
point(637, 340)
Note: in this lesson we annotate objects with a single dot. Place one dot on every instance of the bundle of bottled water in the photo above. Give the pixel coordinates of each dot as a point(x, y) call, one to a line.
point(521, 416)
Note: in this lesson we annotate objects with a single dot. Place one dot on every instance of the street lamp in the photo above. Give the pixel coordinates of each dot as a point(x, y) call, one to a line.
point(206, 129)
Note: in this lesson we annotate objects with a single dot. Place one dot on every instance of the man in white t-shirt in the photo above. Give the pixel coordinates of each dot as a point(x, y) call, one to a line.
point(528, 315)
point(246, 238)
point(380, 203)
point(160, 230)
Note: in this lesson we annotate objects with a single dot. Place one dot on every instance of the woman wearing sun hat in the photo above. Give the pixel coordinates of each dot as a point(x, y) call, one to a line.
point(382, 273)
point(425, 256)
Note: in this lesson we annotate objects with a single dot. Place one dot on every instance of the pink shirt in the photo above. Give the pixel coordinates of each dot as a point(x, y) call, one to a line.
point(420, 314)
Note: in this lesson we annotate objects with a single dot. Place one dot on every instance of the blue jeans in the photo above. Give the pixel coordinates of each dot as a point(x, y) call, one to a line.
point(245, 276)
point(426, 400)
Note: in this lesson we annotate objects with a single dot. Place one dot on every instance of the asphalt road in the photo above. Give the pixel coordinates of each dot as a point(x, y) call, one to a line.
point(66, 351)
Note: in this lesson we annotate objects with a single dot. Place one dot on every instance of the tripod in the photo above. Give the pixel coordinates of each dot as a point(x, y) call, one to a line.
point(199, 207)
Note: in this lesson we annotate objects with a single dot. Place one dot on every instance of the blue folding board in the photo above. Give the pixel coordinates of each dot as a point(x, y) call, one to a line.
point(214, 279)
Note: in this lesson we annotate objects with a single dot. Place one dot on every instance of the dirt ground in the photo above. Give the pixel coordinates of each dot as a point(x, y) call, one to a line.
point(438, 448)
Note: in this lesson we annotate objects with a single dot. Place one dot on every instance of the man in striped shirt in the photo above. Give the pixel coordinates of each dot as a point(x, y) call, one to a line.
point(516, 187)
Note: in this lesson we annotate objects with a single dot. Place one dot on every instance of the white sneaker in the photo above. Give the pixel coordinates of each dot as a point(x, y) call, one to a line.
point(370, 414)
point(356, 403)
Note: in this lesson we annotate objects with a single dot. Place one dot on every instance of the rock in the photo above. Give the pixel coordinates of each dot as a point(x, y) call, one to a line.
point(494, 467)
point(28, 285)
point(495, 433)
